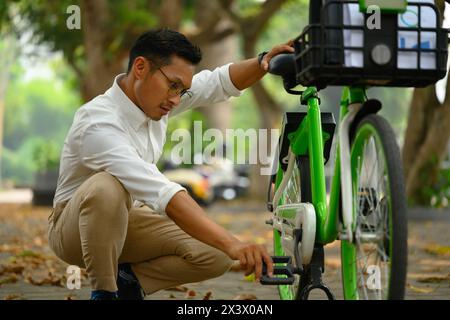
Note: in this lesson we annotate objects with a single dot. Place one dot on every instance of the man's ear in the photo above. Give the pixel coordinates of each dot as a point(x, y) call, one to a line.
point(141, 66)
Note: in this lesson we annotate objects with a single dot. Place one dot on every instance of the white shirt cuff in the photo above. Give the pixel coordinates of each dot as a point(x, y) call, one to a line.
point(227, 84)
point(165, 195)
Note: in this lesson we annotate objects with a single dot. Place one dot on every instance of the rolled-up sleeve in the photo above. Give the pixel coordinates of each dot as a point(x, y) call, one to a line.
point(208, 87)
point(105, 147)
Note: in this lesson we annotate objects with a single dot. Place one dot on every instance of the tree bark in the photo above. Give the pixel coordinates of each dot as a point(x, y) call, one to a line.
point(100, 70)
point(426, 139)
point(270, 111)
point(170, 14)
point(215, 53)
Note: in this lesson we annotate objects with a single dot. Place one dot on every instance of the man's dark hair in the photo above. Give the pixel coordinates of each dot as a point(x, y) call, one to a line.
point(158, 45)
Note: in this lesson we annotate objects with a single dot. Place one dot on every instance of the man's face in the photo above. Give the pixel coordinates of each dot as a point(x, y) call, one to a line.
point(157, 89)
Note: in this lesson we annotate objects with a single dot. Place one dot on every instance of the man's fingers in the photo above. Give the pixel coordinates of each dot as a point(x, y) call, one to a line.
point(258, 265)
point(275, 51)
point(243, 261)
point(250, 263)
point(269, 264)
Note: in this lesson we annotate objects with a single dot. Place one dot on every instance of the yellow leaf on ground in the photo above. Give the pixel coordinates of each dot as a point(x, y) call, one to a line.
point(437, 250)
point(245, 296)
point(250, 277)
point(419, 290)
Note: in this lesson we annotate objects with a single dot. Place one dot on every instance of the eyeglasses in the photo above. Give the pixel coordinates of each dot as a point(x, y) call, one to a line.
point(176, 88)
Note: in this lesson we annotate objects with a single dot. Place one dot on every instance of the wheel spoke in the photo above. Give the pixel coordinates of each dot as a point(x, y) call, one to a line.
point(370, 217)
point(292, 194)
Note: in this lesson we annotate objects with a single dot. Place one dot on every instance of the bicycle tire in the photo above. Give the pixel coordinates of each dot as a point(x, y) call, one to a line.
point(380, 215)
point(297, 190)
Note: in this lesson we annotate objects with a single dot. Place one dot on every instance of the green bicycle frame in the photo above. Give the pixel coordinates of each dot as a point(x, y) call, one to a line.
point(309, 140)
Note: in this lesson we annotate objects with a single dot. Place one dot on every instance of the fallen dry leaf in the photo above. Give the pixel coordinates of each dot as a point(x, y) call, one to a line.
point(434, 279)
point(13, 297)
point(437, 250)
point(13, 268)
point(178, 288)
point(245, 296)
point(207, 295)
point(52, 280)
point(420, 290)
point(32, 281)
point(12, 278)
point(190, 294)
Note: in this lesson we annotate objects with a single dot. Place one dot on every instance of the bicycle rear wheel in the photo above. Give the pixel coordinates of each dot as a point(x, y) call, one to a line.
point(297, 190)
point(374, 264)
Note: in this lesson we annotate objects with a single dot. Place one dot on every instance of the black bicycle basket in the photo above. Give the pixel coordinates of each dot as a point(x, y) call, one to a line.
point(343, 46)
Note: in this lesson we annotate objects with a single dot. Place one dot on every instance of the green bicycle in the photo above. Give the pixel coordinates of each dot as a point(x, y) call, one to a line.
point(366, 209)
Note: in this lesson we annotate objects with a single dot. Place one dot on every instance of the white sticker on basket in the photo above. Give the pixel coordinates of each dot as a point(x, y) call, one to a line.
point(410, 39)
point(353, 38)
point(406, 39)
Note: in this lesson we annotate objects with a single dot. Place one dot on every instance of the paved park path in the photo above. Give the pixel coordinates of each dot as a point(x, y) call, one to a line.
point(29, 270)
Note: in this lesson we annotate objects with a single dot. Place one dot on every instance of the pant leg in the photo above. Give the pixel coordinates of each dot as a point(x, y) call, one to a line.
point(163, 255)
point(90, 230)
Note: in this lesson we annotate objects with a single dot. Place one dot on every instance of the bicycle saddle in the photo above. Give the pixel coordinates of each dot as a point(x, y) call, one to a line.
point(284, 65)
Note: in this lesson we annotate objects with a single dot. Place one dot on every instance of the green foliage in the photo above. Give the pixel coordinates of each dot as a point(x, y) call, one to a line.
point(17, 166)
point(438, 194)
point(45, 155)
point(38, 114)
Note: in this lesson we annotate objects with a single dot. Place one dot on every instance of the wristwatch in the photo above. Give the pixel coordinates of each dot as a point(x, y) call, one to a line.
point(261, 56)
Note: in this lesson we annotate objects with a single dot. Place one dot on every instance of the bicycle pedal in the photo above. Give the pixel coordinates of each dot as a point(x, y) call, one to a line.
point(287, 271)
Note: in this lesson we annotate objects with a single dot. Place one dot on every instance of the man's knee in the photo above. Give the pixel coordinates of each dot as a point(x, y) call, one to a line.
point(221, 263)
point(210, 261)
point(105, 191)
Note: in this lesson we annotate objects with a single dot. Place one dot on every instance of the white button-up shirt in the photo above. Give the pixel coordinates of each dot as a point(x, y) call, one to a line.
point(110, 133)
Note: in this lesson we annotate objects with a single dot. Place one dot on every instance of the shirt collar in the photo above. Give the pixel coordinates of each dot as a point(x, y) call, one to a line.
point(135, 116)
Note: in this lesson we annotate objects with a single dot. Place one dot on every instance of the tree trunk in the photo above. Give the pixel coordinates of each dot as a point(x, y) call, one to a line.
point(170, 14)
point(426, 142)
point(215, 54)
point(426, 139)
point(100, 70)
point(270, 113)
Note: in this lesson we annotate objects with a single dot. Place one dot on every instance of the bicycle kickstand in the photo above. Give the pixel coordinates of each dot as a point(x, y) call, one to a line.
point(312, 276)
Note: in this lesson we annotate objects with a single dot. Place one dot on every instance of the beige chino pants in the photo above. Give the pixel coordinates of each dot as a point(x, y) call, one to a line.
point(98, 228)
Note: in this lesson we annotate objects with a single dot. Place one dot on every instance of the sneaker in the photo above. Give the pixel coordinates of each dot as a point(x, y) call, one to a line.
point(128, 284)
point(103, 295)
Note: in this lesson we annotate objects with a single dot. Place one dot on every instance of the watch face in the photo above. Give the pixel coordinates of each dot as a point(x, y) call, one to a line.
point(384, 5)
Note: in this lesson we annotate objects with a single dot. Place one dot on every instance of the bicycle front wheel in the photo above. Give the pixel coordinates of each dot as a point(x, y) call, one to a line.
point(374, 264)
point(297, 190)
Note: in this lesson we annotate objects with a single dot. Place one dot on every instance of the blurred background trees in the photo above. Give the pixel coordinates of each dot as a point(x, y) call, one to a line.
point(80, 64)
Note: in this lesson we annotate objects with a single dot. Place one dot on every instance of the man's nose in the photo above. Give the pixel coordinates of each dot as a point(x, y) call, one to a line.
point(175, 100)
